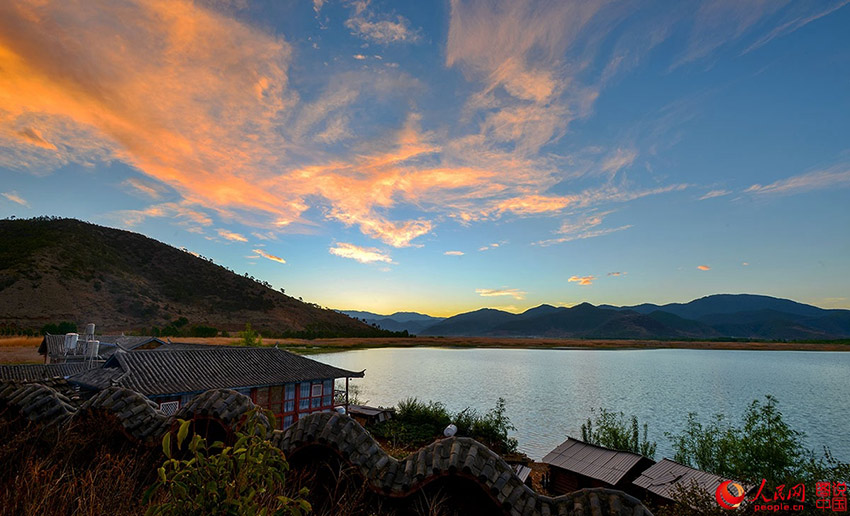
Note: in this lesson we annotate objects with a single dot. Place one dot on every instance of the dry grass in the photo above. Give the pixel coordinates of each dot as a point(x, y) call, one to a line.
point(24, 349)
point(20, 342)
point(20, 350)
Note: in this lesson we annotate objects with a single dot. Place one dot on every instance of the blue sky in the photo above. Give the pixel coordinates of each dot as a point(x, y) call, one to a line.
point(444, 156)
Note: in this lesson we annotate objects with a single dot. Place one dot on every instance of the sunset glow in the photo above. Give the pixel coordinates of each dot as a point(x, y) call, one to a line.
point(441, 157)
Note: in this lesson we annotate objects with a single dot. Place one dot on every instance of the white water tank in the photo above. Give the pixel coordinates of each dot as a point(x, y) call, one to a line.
point(71, 341)
point(90, 330)
point(93, 348)
point(450, 430)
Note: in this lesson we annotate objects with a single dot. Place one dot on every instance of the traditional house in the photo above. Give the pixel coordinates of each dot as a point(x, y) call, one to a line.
point(287, 384)
point(59, 349)
point(661, 484)
point(575, 465)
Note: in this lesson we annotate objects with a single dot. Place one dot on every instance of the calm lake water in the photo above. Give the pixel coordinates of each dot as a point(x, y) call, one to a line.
point(550, 393)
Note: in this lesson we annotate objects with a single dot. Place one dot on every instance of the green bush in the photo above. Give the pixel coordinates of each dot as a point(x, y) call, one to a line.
point(611, 430)
point(244, 479)
point(762, 447)
point(418, 423)
point(250, 337)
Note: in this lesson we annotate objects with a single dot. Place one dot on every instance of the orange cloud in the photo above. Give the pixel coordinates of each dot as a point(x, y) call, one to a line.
point(534, 204)
point(150, 189)
point(201, 102)
point(269, 256)
point(453, 253)
point(582, 280)
point(15, 198)
point(179, 211)
point(488, 292)
point(703, 267)
point(230, 235)
point(361, 254)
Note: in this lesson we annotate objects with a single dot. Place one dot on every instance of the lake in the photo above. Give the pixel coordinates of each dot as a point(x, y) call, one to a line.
point(550, 392)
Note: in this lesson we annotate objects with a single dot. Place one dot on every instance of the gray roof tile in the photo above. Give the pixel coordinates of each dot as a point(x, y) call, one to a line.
point(154, 372)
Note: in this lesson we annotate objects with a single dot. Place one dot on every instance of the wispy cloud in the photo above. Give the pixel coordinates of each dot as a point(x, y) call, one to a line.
point(15, 198)
point(268, 235)
point(703, 267)
point(837, 176)
point(715, 193)
point(149, 188)
point(365, 23)
point(582, 280)
point(797, 23)
point(359, 57)
point(582, 228)
point(453, 253)
point(616, 274)
point(268, 256)
point(361, 254)
point(180, 211)
point(513, 292)
point(231, 235)
point(489, 246)
point(620, 159)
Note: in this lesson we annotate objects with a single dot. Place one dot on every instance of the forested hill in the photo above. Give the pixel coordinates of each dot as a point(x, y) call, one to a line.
point(55, 270)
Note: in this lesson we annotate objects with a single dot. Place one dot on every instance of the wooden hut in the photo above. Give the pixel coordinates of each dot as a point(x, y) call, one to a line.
point(575, 465)
point(661, 483)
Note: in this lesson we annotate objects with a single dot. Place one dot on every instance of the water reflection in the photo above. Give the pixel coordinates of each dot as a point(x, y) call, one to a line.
point(550, 393)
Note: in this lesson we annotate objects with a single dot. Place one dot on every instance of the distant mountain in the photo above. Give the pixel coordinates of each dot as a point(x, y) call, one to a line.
point(721, 316)
point(474, 323)
point(54, 270)
point(412, 322)
point(728, 304)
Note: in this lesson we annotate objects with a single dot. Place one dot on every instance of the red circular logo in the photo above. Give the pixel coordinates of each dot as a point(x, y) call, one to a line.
point(730, 494)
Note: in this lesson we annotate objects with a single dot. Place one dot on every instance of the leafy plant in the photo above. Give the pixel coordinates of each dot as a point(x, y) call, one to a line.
point(610, 429)
point(246, 478)
point(250, 337)
point(764, 446)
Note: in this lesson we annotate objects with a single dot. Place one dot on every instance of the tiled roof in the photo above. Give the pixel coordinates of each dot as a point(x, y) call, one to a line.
point(592, 461)
point(54, 345)
point(40, 372)
point(153, 372)
point(662, 479)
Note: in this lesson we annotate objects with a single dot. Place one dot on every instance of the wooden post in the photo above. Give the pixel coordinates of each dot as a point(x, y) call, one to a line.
point(346, 396)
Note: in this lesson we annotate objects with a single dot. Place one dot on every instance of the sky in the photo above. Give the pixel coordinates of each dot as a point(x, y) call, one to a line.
point(445, 156)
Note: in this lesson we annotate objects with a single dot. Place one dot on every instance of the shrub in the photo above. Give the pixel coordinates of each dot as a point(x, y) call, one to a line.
point(611, 430)
point(763, 447)
point(250, 337)
point(417, 423)
point(244, 479)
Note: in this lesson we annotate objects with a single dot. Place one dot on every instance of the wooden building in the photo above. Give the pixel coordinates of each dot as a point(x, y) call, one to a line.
point(660, 484)
point(287, 384)
point(575, 465)
point(366, 415)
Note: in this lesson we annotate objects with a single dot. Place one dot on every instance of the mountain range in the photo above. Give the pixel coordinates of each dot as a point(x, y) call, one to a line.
point(720, 316)
point(54, 270)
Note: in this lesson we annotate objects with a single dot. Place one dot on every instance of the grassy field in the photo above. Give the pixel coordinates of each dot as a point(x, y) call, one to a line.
point(24, 349)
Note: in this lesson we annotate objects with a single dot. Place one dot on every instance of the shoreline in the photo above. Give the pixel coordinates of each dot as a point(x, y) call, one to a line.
point(19, 350)
point(336, 345)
